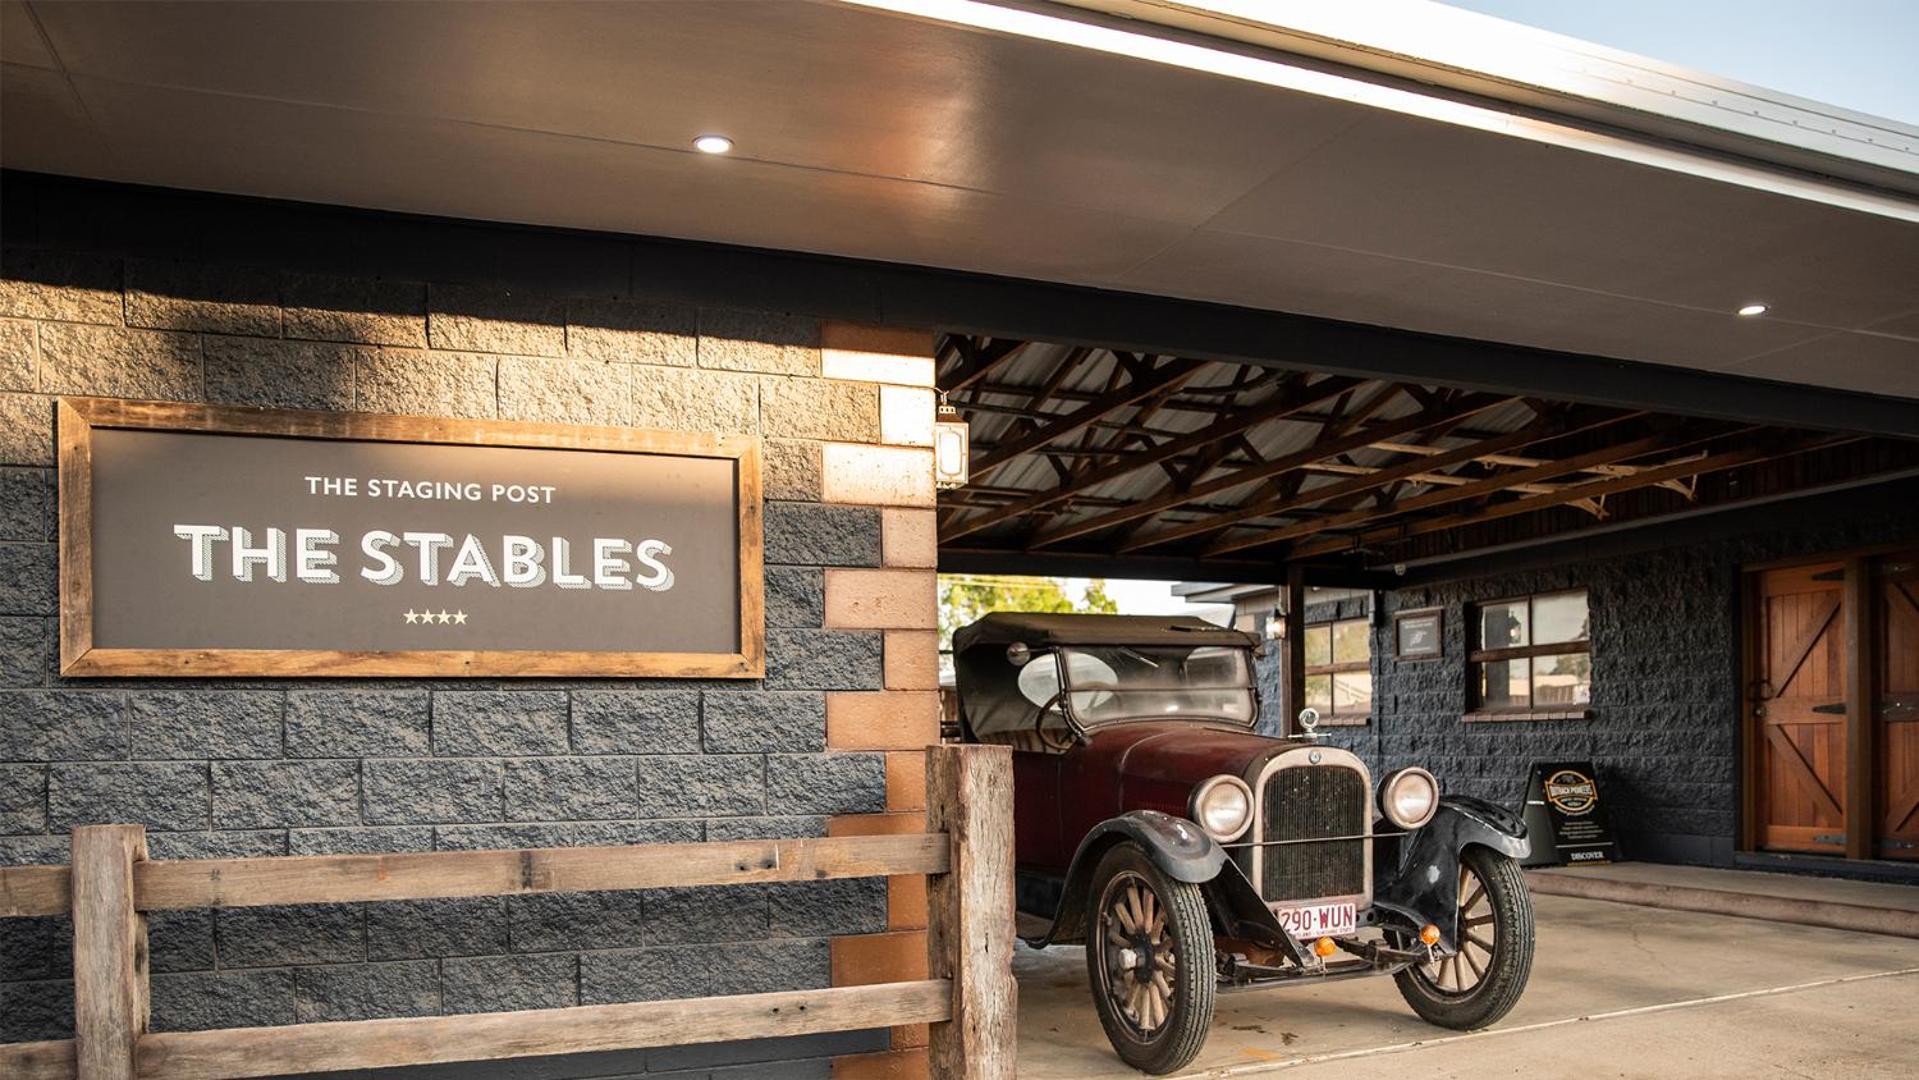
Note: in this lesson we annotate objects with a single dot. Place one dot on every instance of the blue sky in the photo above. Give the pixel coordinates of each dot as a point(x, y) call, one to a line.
point(1861, 54)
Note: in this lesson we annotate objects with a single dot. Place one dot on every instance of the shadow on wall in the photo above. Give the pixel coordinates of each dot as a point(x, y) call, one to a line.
point(250, 336)
point(241, 768)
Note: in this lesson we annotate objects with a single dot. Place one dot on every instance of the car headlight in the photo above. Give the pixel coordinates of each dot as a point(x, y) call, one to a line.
point(1223, 806)
point(1409, 797)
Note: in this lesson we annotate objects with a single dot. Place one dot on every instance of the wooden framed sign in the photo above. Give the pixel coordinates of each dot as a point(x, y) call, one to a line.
point(1417, 634)
point(207, 541)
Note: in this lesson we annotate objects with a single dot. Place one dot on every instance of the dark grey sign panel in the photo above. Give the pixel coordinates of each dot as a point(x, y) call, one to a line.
point(224, 542)
point(1417, 635)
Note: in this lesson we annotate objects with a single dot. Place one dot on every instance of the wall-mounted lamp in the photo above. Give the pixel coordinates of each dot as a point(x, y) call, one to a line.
point(952, 448)
point(1275, 626)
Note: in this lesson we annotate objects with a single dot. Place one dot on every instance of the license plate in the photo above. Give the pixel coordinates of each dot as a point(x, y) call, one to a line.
point(1320, 920)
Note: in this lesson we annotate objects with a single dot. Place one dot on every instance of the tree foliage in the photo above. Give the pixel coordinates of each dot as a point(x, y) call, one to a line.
point(966, 597)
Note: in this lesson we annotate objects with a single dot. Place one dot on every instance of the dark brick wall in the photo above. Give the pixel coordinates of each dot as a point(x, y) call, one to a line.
point(1665, 648)
point(258, 767)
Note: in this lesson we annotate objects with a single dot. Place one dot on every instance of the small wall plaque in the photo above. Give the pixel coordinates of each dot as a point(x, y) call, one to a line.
point(1417, 635)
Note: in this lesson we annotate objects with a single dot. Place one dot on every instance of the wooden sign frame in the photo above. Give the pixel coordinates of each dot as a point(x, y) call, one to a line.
point(79, 417)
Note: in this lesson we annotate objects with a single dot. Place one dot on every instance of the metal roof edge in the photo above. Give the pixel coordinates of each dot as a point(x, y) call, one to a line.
point(1464, 52)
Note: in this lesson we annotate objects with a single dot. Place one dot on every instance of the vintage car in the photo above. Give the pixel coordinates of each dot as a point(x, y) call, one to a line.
point(1192, 856)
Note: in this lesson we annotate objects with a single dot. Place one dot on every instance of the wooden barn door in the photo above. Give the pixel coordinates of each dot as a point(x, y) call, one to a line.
point(1896, 706)
point(1797, 696)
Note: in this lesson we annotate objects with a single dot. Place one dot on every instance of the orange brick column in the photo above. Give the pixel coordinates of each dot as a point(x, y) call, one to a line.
point(900, 600)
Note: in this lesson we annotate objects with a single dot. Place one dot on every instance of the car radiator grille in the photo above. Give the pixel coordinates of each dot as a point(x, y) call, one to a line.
point(1307, 802)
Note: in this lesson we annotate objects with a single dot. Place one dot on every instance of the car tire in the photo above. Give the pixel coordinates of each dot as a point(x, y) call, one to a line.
point(1149, 961)
point(1479, 984)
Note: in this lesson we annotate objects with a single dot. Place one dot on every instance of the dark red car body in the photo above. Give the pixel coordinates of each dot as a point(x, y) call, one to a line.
point(1140, 765)
point(1188, 853)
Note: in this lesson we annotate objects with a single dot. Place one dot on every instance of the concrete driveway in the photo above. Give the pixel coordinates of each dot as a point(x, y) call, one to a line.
point(1616, 991)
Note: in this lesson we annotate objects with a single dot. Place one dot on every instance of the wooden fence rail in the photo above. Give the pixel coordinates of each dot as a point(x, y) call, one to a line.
point(969, 1002)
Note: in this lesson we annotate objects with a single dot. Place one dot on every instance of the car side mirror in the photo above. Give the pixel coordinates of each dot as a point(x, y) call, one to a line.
point(1019, 654)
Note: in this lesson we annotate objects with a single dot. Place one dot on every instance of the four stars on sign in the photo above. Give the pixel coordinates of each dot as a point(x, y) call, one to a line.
point(431, 617)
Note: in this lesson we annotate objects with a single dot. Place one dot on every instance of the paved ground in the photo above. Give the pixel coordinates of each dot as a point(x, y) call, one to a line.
point(1875, 894)
point(1616, 991)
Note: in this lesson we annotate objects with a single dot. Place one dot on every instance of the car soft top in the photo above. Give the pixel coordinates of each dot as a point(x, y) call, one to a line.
point(1049, 630)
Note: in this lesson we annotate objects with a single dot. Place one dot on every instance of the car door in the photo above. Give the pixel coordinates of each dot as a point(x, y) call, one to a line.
point(1036, 813)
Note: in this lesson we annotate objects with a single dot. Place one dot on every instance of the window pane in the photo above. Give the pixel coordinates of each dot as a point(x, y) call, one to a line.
point(1562, 680)
point(1502, 685)
point(1353, 693)
point(1319, 692)
point(1502, 626)
point(1319, 646)
point(1351, 642)
point(1559, 618)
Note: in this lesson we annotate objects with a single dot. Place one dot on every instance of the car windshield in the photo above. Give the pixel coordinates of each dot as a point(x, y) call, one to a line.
point(1105, 683)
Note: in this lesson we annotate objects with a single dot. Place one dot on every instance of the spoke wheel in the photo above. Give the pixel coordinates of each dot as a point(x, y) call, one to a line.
point(1478, 929)
point(1140, 961)
point(1481, 981)
point(1149, 959)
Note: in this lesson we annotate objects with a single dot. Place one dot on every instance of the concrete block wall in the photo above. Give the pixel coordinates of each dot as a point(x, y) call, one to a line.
point(1664, 718)
point(826, 743)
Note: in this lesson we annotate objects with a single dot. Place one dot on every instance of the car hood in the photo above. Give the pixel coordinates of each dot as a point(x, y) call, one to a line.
point(1180, 752)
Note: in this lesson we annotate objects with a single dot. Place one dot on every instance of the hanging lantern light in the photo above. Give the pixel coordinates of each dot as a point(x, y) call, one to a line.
point(952, 448)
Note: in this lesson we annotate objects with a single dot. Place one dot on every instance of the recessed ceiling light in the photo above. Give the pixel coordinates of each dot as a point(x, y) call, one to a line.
point(1753, 309)
point(713, 144)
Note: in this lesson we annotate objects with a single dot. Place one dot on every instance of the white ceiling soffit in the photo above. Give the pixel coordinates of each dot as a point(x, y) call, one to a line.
point(1227, 173)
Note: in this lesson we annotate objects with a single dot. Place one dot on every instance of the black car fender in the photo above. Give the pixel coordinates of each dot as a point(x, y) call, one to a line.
point(1424, 887)
point(1181, 850)
point(1185, 853)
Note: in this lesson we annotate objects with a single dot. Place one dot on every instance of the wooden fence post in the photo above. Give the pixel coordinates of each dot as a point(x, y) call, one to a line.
point(109, 951)
point(969, 796)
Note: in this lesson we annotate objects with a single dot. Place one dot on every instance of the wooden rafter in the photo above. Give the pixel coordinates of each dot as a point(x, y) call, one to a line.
point(1182, 402)
point(1123, 441)
point(1195, 471)
point(1129, 442)
point(1139, 462)
point(1026, 420)
point(1288, 401)
point(1472, 404)
point(1362, 479)
point(1418, 479)
point(990, 498)
point(1491, 486)
point(1128, 393)
point(1294, 398)
point(977, 361)
point(1691, 466)
point(1092, 450)
point(1347, 414)
point(1062, 371)
point(1420, 470)
point(974, 407)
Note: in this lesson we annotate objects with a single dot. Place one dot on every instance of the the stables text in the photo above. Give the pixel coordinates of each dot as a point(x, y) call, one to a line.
point(207, 545)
